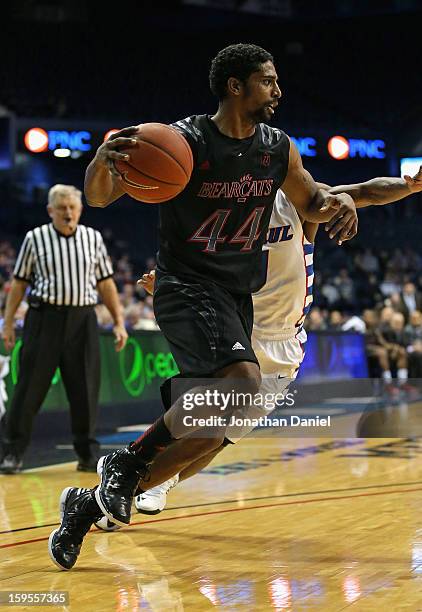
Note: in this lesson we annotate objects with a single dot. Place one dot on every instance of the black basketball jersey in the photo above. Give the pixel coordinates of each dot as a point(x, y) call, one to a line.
point(216, 227)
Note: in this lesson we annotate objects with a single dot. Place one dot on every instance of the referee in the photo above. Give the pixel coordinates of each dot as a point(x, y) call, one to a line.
point(65, 264)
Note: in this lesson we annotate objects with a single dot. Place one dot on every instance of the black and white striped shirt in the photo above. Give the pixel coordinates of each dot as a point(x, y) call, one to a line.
point(63, 270)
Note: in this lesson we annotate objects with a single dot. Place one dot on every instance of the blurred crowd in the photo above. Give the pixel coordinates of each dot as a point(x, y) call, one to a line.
point(378, 294)
point(373, 292)
point(136, 302)
point(365, 278)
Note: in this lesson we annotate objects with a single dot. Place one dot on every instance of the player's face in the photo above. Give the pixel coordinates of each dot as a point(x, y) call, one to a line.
point(261, 93)
point(65, 214)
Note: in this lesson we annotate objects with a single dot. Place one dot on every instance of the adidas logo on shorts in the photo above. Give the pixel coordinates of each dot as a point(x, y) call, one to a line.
point(238, 347)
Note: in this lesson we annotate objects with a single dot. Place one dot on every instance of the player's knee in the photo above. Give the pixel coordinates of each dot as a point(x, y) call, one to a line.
point(246, 376)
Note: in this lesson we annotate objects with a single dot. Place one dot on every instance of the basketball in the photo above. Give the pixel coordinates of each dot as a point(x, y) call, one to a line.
point(160, 164)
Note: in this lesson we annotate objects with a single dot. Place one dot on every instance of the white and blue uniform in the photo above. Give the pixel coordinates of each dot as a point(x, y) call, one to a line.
point(283, 302)
point(281, 306)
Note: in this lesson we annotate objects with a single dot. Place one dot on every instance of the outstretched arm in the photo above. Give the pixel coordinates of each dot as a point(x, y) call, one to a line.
point(317, 205)
point(102, 181)
point(375, 192)
point(381, 190)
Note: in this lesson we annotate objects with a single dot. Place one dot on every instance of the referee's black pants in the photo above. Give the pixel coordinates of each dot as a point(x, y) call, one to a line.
point(65, 337)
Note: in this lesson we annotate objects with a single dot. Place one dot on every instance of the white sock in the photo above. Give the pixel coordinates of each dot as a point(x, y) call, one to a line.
point(387, 375)
point(402, 375)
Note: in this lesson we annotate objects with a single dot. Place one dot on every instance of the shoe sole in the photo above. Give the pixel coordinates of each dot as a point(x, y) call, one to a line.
point(99, 501)
point(149, 512)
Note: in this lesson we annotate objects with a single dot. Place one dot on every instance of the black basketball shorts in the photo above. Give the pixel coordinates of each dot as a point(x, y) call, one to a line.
point(206, 326)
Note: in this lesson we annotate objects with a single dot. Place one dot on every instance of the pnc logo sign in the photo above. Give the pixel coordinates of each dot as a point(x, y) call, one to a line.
point(306, 145)
point(38, 140)
point(340, 147)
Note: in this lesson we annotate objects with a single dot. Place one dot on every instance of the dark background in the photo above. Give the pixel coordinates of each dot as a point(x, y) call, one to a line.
point(350, 68)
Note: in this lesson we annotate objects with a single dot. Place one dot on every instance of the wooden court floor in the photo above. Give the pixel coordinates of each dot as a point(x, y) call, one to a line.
point(274, 524)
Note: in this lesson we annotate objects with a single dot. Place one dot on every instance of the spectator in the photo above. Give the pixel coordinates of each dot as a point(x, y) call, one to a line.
point(390, 284)
point(150, 263)
point(104, 318)
point(315, 321)
point(367, 262)
point(385, 317)
point(354, 323)
point(413, 339)
point(133, 314)
point(410, 300)
point(413, 330)
point(127, 296)
point(21, 313)
point(335, 321)
point(345, 288)
point(398, 262)
point(148, 319)
point(414, 261)
point(371, 319)
point(368, 293)
point(394, 301)
point(148, 324)
point(19, 316)
point(148, 307)
point(376, 351)
point(330, 293)
point(393, 339)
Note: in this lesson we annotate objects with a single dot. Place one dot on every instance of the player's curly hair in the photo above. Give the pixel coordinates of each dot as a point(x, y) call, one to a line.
point(237, 61)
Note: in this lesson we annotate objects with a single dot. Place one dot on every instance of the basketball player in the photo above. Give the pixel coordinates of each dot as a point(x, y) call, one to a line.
point(209, 263)
point(280, 308)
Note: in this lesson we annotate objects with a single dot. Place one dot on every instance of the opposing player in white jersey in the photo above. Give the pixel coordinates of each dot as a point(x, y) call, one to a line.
point(280, 308)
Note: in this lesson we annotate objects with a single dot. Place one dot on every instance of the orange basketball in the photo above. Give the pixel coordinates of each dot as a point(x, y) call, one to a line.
point(160, 164)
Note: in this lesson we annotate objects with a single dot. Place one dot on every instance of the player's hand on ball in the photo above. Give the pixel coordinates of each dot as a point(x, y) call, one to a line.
point(147, 281)
point(108, 152)
point(414, 182)
point(343, 225)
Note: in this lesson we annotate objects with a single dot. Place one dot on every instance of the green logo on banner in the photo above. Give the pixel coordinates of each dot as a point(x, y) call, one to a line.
point(138, 369)
point(14, 362)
